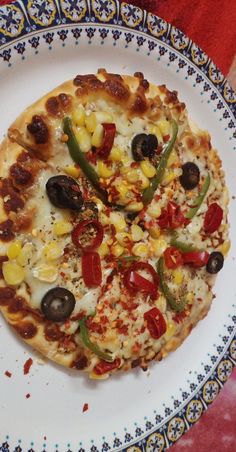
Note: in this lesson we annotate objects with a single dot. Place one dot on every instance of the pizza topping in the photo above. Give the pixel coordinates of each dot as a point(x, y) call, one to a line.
point(182, 246)
point(27, 366)
point(80, 363)
point(135, 282)
point(58, 304)
point(173, 257)
point(109, 131)
point(149, 192)
point(91, 345)
point(156, 323)
point(171, 217)
point(103, 367)
point(196, 258)
point(11, 200)
point(177, 305)
point(190, 176)
point(213, 218)
point(215, 262)
point(91, 269)
point(64, 192)
point(199, 200)
point(144, 145)
point(38, 129)
point(13, 273)
point(88, 235)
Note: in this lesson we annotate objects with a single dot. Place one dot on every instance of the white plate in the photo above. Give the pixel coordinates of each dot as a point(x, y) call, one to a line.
point(40, 48)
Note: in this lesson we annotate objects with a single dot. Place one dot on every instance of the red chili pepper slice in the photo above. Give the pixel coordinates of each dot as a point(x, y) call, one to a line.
point(196, 258)
point(173, 257)
point(83, 228)
point(156, 323)
point(134, 282)
point(108, 139)
point(91, 269)
point(172, 217)
point(213, 218)
point(103, 367)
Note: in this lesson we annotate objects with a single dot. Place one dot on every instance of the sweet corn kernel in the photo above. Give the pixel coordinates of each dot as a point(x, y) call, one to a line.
point(178, 276)
point(172, 159)
point(105, 171)
point(103, 116)
point(103, 250)
point(140, 249)
point(170, 331)
point(190, 297)
point(135, 206)
point(144, 181)
point(78, 116)
point(225, 247)
point(136, 233)
point(131, 175)
point(13, 273)
point(14, 250)
point(164, 127)
point(117, 250)
point(46, 272)
point(158, 247)
point(155, 131)
point(117, 219)
point(91, 122)
point(154, 232)
point(25, 254)
point(154, 210)
point(169, 176)
point(104, 219)
point(73, 171)
point(84, 139)
point(123, 190)
point(147, 168)
point(161, 303)
point(123, 238)
point(97, 137)
point(52, 251)
point(62, 227)
point(115, 154)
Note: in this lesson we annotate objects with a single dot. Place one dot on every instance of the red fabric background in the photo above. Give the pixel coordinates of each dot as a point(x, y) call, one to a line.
point(209, 23)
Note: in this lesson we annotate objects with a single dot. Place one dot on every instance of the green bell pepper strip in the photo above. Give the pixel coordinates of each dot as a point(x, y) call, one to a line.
point(176, 305)
point(77, 155)
point(149, 192)
point(89, 344)
point(182, 246)
point(199, 200)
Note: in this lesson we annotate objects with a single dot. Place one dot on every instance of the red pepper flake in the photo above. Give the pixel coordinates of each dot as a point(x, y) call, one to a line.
point(27, 366)
point(27, 396)
point(63, 274)
point(166, 138)
point(8, 374)
point(85, 407)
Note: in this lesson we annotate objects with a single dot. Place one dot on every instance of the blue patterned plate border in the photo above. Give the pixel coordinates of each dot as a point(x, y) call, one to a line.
point(23, 25)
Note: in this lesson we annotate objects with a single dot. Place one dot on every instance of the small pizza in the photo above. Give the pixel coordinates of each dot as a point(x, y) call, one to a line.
point(113, 223)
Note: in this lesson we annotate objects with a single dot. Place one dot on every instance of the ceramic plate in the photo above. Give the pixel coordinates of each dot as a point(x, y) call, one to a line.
point(43, 43)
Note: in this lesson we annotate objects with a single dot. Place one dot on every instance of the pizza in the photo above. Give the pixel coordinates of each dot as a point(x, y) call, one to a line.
point(113, 223)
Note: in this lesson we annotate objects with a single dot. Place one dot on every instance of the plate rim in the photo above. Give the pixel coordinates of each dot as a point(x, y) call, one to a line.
point(175, 39)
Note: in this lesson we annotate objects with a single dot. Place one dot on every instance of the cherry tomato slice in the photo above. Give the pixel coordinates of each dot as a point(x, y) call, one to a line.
point(82, 233)
point(91, 269)
point(156, 323)
point(213, 218)
point(173, 257)
point(196, 258)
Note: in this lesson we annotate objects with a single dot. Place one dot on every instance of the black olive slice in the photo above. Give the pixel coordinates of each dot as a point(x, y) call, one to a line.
point(58, 304)
point(144, 145)
point(215, 262)
point(64, 192)
point(190, 176)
